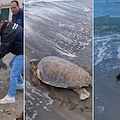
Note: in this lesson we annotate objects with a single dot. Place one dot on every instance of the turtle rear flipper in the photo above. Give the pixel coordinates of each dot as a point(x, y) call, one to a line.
point(83, 93)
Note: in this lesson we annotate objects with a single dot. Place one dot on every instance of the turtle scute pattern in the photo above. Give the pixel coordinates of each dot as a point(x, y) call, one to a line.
point(59, 72)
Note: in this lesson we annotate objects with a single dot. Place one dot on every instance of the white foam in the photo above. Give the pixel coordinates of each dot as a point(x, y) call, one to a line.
point(101, 109)
point(86, 9)
point(29, 94)
point(38, 93)
point(66, 53)
point(118, 66)
point(49, 99)
point(106, 46)
point(118, 56)
point(30, 102)
point(46, 108)
point(34, 115)
point(34, 1)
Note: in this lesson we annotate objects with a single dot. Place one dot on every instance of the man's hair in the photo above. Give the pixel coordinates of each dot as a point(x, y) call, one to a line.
point(15, 2)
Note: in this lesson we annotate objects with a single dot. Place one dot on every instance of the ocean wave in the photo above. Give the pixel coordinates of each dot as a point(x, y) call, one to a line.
point(106, 24)
point(35, 1)
point(118, 56)
point(107, 8)
point(106, 47)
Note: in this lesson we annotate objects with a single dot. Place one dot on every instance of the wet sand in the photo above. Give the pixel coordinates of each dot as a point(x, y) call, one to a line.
point(40, 105)
point(107, 89)
point(8, 111)
point(63, 29)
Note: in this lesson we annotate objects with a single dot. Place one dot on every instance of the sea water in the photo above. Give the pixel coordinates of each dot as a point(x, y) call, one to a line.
point(106, 59)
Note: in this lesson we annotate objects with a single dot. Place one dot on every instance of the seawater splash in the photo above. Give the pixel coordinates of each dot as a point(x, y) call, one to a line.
point(38, 92)
point(65, 27)
point(118, 56)
point(42, 98)
point(107, 59)
point(107, 30)
point(107, 46)
point(35, 1)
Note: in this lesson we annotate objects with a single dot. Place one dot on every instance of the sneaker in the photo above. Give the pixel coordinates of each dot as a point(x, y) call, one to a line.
point(7, 99)
point(20, 86)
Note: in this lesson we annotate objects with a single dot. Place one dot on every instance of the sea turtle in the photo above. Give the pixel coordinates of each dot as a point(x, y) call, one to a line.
point(61, 73)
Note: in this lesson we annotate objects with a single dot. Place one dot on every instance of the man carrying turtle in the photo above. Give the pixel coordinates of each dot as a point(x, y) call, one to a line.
point(12, 41)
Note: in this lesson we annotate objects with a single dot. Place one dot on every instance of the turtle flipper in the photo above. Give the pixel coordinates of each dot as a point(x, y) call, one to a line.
point(35, 80)
point(83, 93)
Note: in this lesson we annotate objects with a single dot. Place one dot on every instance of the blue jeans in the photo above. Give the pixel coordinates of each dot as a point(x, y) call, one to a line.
point(17, 67)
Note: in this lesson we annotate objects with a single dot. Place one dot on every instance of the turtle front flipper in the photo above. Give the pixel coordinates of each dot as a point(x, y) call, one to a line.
point(35, 80)
point(83, 93)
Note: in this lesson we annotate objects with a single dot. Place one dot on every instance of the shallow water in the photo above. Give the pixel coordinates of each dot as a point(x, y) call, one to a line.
point(62, 25)
point(107, 60)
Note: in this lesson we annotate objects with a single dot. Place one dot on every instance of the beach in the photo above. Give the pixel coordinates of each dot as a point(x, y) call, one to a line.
point(106, 60)
point(63, 29)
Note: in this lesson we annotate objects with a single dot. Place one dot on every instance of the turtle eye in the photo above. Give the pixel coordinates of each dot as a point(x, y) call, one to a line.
point(34, 61)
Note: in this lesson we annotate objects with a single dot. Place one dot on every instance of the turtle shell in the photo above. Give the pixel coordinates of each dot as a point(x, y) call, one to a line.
point(59, 72)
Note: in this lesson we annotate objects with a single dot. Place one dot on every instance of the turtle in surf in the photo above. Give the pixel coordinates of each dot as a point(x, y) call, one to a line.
point(61, 73)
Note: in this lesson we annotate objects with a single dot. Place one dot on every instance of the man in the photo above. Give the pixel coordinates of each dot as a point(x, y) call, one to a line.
point(12, 41)
point(18, 13)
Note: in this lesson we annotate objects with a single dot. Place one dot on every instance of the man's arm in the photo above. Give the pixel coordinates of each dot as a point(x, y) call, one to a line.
point(8, 37)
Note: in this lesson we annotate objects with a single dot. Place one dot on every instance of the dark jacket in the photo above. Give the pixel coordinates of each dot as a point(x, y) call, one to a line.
point(19, 18)
point(11, 39)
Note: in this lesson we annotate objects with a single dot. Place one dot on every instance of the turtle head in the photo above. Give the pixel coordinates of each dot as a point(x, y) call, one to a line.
point(34, 77)
point(34, 63)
